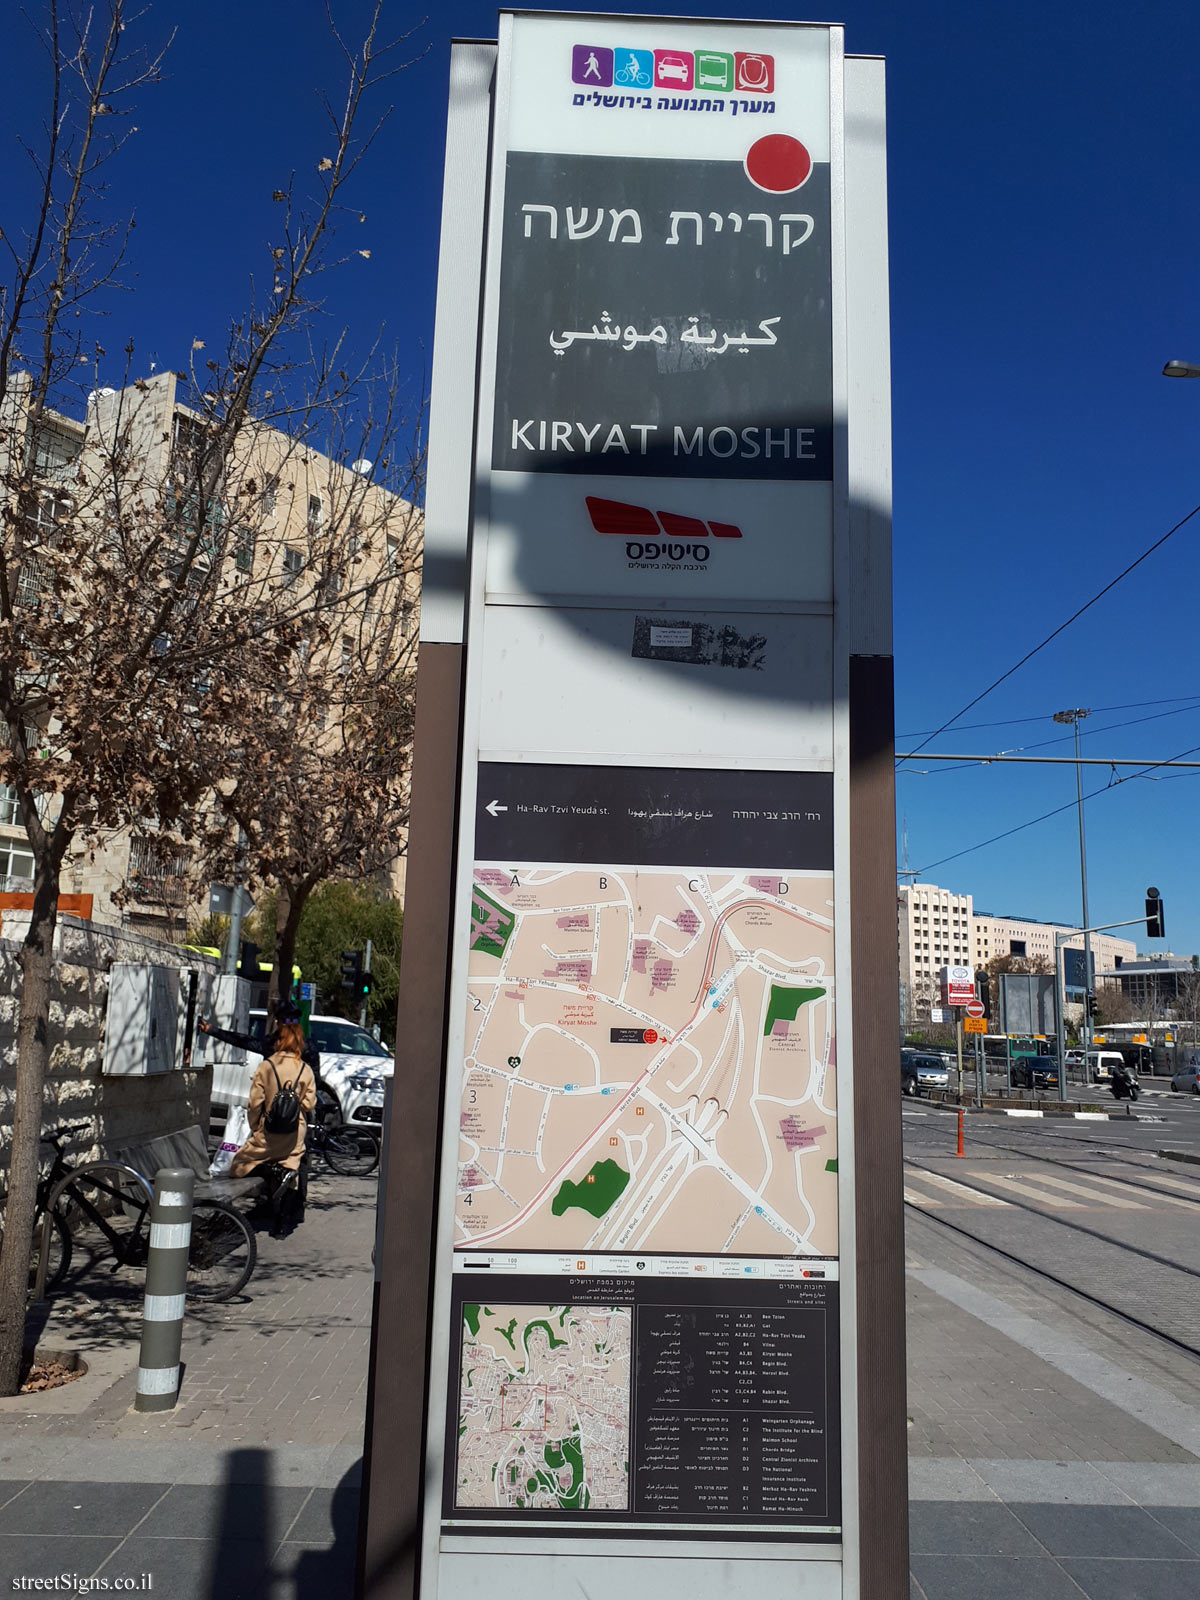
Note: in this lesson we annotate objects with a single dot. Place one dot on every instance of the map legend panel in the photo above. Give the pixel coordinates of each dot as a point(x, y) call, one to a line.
point(642, 1407)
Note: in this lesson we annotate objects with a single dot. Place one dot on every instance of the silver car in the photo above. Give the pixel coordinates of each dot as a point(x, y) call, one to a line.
point(1187, 1079)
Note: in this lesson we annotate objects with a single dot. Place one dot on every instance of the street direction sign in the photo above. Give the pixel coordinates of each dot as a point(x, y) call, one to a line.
point(975, 1025)
point(976, 1009)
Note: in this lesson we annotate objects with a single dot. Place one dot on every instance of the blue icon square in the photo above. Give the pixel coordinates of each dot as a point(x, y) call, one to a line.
point(593, 65)
point(633, 69)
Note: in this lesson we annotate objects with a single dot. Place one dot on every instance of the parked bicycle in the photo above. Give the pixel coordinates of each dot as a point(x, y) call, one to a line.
point(111, 1203)
point(354, 1152)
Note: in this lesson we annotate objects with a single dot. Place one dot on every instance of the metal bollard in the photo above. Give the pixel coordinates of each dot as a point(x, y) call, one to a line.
point(960, 1151)
point(166, 1287)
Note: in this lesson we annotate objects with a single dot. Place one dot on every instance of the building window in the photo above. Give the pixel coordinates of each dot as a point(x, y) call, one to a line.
point(16, 862)
point(393, 556)
point(1016, 947)
point(243, 549)
point(10, 807)
point(270, 492)
point(55, 454)
point(408, 612)
point(347, 652)
point(293, 564)
point(314, 512)
point(158, 871)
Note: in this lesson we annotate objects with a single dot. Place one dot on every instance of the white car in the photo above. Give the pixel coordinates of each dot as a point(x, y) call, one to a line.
point(354, 1067)
point(674, 67)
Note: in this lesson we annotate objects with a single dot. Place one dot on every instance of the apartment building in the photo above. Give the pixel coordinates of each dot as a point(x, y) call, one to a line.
point(277, 505)
point(938, 928)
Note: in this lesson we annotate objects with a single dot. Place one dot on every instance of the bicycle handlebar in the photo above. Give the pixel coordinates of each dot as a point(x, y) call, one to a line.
point(55, 1135)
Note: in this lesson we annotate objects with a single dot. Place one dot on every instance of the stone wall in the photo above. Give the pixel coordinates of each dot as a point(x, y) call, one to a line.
point(119, 1111)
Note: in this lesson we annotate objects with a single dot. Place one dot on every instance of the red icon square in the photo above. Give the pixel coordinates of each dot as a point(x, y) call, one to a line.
point(673, 69)
point(754, 73)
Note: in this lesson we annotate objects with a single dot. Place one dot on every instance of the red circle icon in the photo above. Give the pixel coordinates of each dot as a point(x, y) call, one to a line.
point(976, 1009)
point(650, 1036)
point(778, 163)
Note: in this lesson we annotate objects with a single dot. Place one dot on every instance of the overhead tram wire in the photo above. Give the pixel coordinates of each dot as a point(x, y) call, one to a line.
point(1041, 744)
point(1070, 805)
point(1046, 716)
point(1062, 627)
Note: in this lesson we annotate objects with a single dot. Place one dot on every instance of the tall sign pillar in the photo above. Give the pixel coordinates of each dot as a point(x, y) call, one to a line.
point(640, 1292)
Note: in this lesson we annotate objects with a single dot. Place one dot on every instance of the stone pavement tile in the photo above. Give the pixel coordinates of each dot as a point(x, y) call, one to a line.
point(1183, 1521)
point(1158, 1483)
point(71, 1509)
point(1135, 1580)
point(945, 1478)
point(327, 1516)
point(225, 1511)
point(24, 1555)
point(30, 1455)
point(1125, 1531)
point(313, 1572)
point(994, 1578)
point(966, 1528)
point(11, 1487)
point(193, 1569)
point(1054, 1481)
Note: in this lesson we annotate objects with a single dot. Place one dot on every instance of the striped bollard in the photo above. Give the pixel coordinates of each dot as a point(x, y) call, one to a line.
point(166, 1286)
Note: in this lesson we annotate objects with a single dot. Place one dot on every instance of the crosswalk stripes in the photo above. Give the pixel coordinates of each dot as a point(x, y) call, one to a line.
point(1056, 1193)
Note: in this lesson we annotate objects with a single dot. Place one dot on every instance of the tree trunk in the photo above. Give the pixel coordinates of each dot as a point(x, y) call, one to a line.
point(288, 910)
point(33, 1058)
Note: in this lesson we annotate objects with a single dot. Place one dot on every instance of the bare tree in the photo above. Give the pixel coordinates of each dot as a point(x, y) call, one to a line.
point(146, 590)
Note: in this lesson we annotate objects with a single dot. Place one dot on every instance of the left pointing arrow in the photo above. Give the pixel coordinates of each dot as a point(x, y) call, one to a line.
point(493, 806)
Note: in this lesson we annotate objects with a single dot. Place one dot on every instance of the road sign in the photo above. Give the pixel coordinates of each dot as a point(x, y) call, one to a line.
point(976, 1009)
point(974, 1024)
point(958, 986)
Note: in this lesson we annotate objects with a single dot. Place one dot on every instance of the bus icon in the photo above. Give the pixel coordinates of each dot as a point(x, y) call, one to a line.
point(714, 71)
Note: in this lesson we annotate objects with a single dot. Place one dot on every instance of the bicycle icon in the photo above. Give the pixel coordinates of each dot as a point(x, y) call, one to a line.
point(635, 70)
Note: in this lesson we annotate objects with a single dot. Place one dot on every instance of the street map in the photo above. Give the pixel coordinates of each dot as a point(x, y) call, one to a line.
point(650, 1062)
point(544, 1400)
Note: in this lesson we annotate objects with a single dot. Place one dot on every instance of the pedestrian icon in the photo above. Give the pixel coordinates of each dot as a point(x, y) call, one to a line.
point(592, 65)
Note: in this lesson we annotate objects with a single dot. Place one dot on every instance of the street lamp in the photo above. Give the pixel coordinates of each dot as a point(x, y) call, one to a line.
point(1075, 717)
point(1181, 369)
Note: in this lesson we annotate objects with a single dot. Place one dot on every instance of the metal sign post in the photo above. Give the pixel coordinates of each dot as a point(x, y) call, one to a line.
point(643, 975)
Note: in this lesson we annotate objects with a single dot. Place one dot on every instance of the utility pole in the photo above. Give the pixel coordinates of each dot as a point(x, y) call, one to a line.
point(1075, 717)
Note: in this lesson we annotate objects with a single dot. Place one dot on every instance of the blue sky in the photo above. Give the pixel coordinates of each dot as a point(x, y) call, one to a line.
point(1045, 239)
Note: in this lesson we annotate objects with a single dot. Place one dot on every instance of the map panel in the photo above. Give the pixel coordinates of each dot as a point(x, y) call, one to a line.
point(544, 1403)
point(650, 1062)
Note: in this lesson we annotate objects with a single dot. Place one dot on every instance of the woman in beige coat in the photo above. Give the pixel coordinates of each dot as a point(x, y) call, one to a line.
point(285, 1148)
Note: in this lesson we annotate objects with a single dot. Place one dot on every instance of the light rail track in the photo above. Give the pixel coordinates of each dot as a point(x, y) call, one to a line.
point(1184, 1339)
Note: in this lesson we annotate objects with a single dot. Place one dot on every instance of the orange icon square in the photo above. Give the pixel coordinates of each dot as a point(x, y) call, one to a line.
point(591, 1177)
point(612, 1141)
point(640, 1111)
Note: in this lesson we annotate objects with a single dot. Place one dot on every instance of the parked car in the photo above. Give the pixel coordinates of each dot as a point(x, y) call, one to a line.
point(1187, 1079)
point(922, 1070)
point(1101, 1064)
point(355, 1068)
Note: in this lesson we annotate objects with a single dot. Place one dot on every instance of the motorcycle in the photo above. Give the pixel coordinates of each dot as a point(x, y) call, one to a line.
point(1124, 1085)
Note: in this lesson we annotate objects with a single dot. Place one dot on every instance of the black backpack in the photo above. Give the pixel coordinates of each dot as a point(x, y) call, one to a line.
point(283, 1114)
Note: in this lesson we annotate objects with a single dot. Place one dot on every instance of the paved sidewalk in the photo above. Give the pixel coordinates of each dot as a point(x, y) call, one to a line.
point(250, 1486)
point(1054, 1451)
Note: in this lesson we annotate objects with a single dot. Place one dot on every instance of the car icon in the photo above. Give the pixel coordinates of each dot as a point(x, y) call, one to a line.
point(675, 67)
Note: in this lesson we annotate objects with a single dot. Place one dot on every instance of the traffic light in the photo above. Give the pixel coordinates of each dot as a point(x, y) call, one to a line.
point(364, 985)
point(247, 966)
point(1155, 928)
point(352, 972)
point(1093, 1005)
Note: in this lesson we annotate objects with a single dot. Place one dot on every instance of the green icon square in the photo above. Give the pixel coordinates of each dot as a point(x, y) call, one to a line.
point(714, 71)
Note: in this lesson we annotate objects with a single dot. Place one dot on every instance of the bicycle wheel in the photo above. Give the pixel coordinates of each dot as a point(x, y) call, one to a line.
point(353, 1152)
point(222, 1253)
point(59, 1259)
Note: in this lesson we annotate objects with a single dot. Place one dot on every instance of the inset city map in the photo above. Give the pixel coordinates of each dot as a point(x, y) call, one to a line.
point(650, 1062)
point(544, 1400)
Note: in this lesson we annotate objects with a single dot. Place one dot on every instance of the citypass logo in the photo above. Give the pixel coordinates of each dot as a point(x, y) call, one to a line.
point(713, 71)
point(658, 536)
